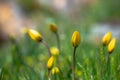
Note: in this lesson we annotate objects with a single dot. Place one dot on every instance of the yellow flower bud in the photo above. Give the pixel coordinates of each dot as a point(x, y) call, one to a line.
point(106, 38)
point(76, 38)
point(50, 62)
point(53, 28)
point(54, 51)
point(55, 70)
point(111, 45)
point(36, 36)
point(78, 72)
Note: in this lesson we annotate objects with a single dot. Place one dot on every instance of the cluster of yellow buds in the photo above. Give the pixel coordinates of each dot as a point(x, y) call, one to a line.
point(36, 36)
point(111, 42)
point(76, 39)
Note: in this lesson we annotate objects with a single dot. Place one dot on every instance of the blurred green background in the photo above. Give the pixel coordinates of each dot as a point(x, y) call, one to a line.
point(23, 59)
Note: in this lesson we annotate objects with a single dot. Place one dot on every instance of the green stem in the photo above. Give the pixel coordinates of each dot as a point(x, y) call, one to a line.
point(58, 44)
point(49, 75)
point(73, 64)
point(55, 76)
point(58, 40)
point(46, 45)
point(108, 66)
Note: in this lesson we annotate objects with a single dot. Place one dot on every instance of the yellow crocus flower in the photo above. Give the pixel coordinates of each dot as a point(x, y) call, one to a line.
point(36, 36)
point(111, 45)
point(54, 51)
point(55, 70)
point(53, 28)
point(106, 38)
point(50, 62)
point(76, 38)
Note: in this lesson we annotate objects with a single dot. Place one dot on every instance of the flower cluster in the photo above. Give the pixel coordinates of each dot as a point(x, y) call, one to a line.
point(54, 52)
